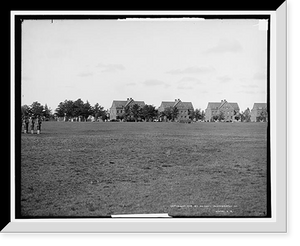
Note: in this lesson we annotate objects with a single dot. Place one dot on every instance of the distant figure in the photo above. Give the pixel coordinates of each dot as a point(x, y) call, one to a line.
point(26, 124)
point(32, 121)
point(39, 124)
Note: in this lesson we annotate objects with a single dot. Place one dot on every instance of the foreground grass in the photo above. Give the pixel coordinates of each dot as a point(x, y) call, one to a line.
point(99, 169)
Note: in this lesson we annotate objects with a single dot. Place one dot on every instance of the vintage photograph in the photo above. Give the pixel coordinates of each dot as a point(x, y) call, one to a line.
point(151, 116)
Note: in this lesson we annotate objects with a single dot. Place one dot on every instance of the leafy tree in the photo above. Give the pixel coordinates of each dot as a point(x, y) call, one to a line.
point(263, 115)
point(65, 108)
point(197, 114)
point(191, 114)
point(202, 116)
point(25, 111)
point(120, 116)
point(98, 111)
point(175, 113)
point(170, 113)
point(78, 108)
point(37, 109)
point(215, 117)
point(161, 115)
point(135, 111)
point(145, 113)
point(148, 113)
point(245, 116)
point(167, 113)
point(218, 117)
point(86, 110)
point(221, 116)
point(60, 110)
point(127, 113)
point(237, 117)
point(47, 112)
point(153, 113)
point(105, 115)
point(69, 110)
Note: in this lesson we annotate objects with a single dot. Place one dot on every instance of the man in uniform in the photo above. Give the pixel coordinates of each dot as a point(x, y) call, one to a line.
point(32, 121)
point(26, 123)
point(39, 124)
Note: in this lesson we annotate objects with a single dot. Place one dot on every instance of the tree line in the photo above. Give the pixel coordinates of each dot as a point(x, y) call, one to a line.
point(69, 109)
point(36, 109)
point(78, 108)
point(243, 116)
point(136, 112)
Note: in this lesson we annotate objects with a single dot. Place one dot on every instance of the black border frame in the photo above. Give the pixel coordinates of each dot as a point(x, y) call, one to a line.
point(18, 41)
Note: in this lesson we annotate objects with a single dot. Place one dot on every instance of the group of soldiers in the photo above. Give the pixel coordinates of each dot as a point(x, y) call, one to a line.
point(32, 122)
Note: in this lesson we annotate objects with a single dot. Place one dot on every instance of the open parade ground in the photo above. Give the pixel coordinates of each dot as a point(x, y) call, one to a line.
point(93, 169)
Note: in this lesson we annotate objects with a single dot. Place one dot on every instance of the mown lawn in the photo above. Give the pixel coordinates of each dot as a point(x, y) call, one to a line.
point(97, 169)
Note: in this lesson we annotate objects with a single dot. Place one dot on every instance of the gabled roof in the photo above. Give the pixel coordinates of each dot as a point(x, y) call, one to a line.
point(166, 104)
point(178, 104)
point(140, 103)
point(118, 104)
point(216, 105)
point(185, 105)
point(234, 105)
point(213, 105)
point(260, 105)
point(122, 104)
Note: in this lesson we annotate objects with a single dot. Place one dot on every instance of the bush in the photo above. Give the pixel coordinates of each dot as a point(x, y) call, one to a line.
point(185, 121)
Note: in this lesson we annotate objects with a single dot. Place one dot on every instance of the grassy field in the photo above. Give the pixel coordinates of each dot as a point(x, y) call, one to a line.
point(98, 169)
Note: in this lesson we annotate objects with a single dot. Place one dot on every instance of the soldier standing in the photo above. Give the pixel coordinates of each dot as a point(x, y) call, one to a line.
point(39, 125)
point(32, 124)
point(26, 123)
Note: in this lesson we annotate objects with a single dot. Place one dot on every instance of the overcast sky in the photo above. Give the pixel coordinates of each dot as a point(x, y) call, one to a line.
point(104, 60)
